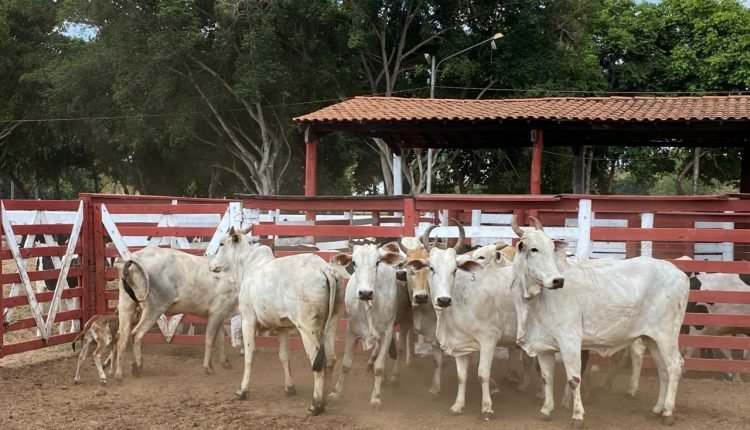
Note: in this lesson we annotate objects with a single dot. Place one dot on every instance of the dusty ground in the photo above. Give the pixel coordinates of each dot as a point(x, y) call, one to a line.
point(173, 393)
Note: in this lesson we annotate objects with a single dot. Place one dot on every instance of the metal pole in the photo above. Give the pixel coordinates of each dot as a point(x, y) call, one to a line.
point(433, 78)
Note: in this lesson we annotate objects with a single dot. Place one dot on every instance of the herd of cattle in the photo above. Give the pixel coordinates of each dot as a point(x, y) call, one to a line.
point(532, 299)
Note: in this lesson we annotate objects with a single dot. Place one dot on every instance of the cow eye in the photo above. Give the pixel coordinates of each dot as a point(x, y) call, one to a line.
point(354, 264)
point(534, 250)
point(481, 257)
point(432, 270)
point(221, 243)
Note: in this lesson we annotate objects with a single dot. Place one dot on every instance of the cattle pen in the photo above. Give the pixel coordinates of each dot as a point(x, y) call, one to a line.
point(97, 227)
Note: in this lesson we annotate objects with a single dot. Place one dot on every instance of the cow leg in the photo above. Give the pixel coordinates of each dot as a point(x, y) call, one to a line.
point(248, 340)
point(547, 369)
point(636, 363)
point(730, 376)
point(663, 378)
point(148, 319)
point(346, 364)
point(672, 362)
point(126, 308)
point(379, 367)
point(437, 360)
point(373, 357)
point(462, 370)
point(330, 345)
point(82, 357)
point(284, 358)
point(100, 346)
point(312, 339)
point(571, 358)
point(212, 332)
point(528, 372)
point(409, 347)
point(486, 354)
point(221, 346)
point(401, 353)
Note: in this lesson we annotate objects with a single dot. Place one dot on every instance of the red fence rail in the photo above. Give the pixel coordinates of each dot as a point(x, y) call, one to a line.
point(672, 233)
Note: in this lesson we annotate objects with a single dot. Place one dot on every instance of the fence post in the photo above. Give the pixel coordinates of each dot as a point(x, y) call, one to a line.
point(97, 254)
point(410, 217)
point(2, 306)
point(585, 219)
point(647, 221)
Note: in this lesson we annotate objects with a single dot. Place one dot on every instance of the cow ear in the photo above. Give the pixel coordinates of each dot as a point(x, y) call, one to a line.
point(520, 246)
point(231, 231)
point(560, 244)
point(392, 258)
point(401, 275)
point(416, 265)
point(390, 247)
point(341, 259)
point(470, 266)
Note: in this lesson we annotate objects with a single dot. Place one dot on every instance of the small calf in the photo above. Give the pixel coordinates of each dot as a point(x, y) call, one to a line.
point(98, 329)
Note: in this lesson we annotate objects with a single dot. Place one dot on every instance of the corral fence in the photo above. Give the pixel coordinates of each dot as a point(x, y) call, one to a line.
point(714, 230)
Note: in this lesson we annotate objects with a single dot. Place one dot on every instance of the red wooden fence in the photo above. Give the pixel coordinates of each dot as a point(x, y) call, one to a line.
point(673, 234)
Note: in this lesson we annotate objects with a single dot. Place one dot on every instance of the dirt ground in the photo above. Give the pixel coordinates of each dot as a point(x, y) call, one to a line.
point(38, 393)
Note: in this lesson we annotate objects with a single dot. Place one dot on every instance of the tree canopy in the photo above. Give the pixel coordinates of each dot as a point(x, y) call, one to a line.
point(196, 97)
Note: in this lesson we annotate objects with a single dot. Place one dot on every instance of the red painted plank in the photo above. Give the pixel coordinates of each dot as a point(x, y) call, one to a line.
point(327, 230)
point(41, 275)
point(165, 231)
point(39, 251)
point(15, 348)
point(739, 297)
point(729, 342)
point(42, 229)
point(47, 205)
point(31, 323)
point(669, 234)
point(326, 255)
point(164, 209)
point(715, 365)
point(721, 320)
point(712, 266)
point(660, 204)
point(15, 301)
point(337, 205)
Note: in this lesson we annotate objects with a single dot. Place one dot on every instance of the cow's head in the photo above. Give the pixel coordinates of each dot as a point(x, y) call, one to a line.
point(366, 260)
point(231, 248)
point(489, 255)
point(414, 271)
point(538, 263)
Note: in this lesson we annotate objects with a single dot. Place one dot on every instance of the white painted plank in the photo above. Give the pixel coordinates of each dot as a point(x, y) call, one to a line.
point(16, 288)
point(36, 310)
point(585, 220)
point(114, 234)
point(61, 279)
point(647, 246)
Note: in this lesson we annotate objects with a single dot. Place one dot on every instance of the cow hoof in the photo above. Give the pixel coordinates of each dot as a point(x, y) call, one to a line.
point(577, 424)
point(668, 420)
point(434, 393)
point(240, 395)
point(333, 396)
point(544, 417)
point(394, 383)
point(76, 382)
point(290, 391)
point(632, 394)
point(103, 383)
point(455, 411)
point(375, 406)
point(656, 412)
point(316, 410)
point(495, 394)
point(486, 416)
point(370, 368)
point(208, 371)
point(136, 370)
point(226, 365)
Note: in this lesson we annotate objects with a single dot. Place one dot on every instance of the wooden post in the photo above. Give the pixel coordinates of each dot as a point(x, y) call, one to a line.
point(585, 221)
point(742, 250)
point(537, 136)
point(410, 217)
point(311, 169)
point(647, 221)
point(2, 307)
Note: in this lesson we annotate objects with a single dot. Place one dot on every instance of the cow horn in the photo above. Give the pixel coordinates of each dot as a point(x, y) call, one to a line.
point(426, 237)
point(461, 235)
point(514, 225)
point(401, 246)
point(537, 224)
point(247, 229)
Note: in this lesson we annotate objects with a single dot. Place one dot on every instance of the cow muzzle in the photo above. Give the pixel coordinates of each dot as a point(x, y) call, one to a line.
point(444, 302)
point(420, 299)
point(365, 295)
point(557, 283)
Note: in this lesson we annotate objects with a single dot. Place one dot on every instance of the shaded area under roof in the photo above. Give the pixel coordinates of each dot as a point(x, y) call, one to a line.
point(458, 123)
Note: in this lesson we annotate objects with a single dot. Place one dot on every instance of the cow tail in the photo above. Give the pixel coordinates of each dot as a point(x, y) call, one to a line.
point(320, 357)
point(85, 328)
point(126, 275)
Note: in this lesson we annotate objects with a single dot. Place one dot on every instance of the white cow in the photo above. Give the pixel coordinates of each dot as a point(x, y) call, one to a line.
point(602, 306)
point(168, 281)
point(474, 311)
point(375, 302)
point(295, 292)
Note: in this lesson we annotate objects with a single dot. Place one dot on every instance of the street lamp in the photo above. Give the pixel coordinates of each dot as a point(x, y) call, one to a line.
point(433, 78)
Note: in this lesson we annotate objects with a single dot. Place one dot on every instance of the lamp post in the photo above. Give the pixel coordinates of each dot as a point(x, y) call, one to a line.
point(433, 78)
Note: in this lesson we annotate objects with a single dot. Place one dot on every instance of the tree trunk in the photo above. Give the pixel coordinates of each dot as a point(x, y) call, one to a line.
point(578, 169)
point(589, 163)
point(696, 169)
point(611, 176)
